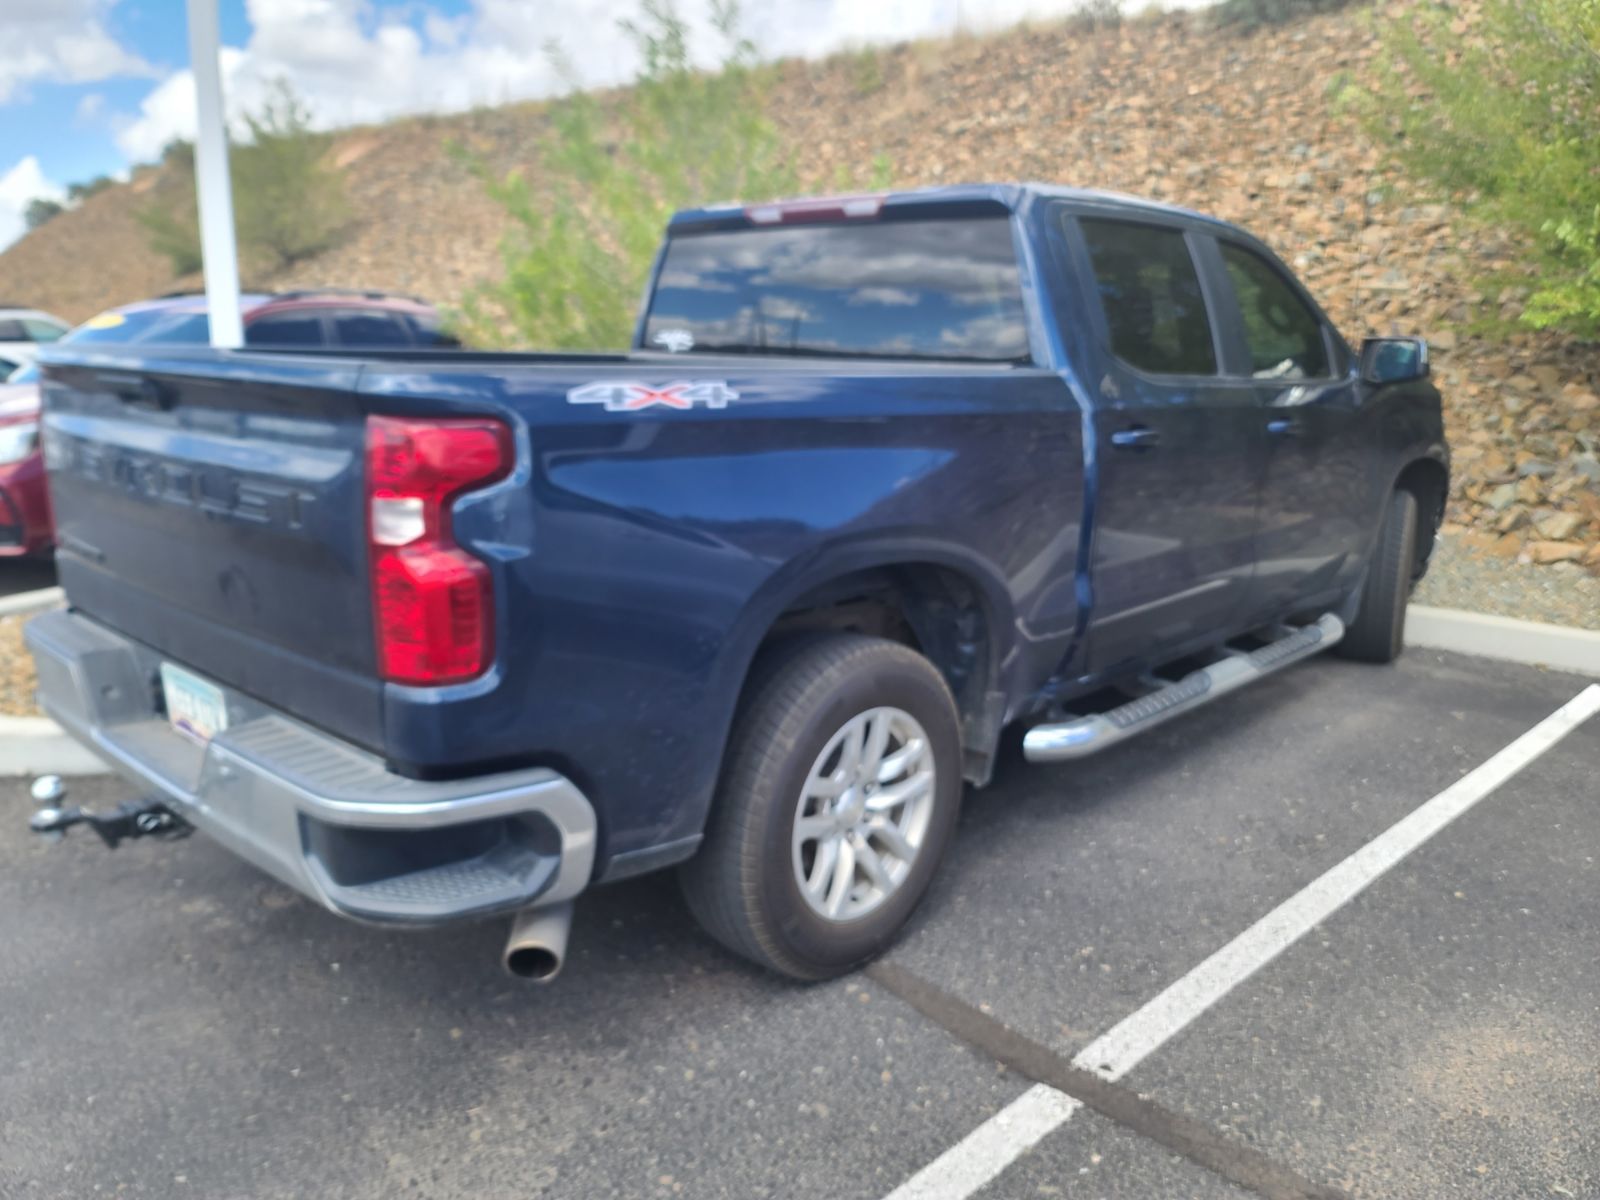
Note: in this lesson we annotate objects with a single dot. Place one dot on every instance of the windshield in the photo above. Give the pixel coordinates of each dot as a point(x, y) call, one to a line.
point(24, 374)
point(152, 326)
point(937, 289)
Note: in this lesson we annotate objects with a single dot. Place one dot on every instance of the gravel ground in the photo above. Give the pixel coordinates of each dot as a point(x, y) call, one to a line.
point(16, 670)
point(1477, 581)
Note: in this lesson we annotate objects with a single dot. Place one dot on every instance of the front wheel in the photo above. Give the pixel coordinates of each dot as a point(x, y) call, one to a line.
point(1378, 632)
point(838, 796)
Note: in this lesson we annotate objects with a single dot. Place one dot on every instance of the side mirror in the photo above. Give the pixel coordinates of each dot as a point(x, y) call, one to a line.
point(1393, 360)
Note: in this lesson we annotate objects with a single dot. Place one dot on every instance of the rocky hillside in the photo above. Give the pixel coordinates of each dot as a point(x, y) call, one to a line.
point(1243, 126)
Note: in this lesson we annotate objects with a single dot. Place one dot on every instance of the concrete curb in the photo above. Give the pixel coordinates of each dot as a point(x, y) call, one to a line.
point(38, 746)
point(1505, 638)
point(27, 602)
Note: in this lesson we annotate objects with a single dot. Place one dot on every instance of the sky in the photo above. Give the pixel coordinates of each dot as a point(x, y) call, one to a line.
point(92, 87)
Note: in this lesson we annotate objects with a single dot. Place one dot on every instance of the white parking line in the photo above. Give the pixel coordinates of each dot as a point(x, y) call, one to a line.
point(1003, 1138)
point(991, 1147)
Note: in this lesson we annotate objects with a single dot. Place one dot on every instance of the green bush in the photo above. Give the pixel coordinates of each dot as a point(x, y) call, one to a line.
point(172, 231)
point(1499, 110)
point(89, 187)
point(287, 203)
point(1091, 15)
point(1250, 14)
point(584, 231)
point(40, 210)
point(171, 227)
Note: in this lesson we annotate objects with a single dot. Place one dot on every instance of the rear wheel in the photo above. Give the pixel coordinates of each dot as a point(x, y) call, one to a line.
point(1378, 632)
point(838, 797)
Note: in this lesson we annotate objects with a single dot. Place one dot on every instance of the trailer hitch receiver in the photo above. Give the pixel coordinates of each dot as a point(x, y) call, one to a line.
point(130, 819)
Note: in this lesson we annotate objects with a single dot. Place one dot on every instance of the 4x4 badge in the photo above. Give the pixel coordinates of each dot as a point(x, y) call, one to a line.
point(628, 396)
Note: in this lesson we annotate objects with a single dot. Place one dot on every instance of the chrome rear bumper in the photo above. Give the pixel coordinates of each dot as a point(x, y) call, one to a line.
point(323, 816)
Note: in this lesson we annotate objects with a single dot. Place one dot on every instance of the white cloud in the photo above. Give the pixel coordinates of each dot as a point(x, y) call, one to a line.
point(22, 183)
point(90, 108)
point(168, 111)
point(60, 41)
point(354, 61)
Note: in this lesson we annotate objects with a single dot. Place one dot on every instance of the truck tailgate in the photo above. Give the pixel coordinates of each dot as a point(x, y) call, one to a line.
point(211, 507)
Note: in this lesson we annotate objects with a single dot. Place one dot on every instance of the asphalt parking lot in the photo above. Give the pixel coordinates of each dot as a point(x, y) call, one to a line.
point(175, 1024)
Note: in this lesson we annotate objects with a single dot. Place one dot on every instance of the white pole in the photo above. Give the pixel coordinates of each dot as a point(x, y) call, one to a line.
point(218, 254)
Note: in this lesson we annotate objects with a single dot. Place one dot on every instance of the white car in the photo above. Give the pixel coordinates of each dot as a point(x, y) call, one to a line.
point(21, 332)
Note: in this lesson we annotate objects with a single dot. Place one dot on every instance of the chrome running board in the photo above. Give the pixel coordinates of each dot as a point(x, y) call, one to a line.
point(1078, 737)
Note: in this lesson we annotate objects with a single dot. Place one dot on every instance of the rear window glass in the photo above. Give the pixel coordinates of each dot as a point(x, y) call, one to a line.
point(12, 331)
point(945, 289)
point(1150, 291)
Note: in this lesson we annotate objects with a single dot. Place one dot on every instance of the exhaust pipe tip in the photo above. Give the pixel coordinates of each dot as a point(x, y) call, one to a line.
point(538, 963)
point(537, 945)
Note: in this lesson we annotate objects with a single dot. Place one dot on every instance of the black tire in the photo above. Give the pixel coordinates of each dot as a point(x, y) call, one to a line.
point(1378, 633)
point(741, 886)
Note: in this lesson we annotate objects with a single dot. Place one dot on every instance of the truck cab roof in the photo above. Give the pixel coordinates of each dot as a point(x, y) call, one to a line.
point(1012, 197)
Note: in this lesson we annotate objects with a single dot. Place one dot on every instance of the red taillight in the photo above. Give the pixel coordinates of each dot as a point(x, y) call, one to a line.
point(432, 602)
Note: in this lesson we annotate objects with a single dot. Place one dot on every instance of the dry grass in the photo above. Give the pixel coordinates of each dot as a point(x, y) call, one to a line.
point(17, 679)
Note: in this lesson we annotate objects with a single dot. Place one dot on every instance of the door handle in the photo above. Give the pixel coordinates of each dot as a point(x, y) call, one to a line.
point(1136, 437)
point(1285, 427)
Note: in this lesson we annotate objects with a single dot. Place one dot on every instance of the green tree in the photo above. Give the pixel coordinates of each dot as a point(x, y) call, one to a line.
point(1247, 15)
point(89, 187)
point(172, 230)
point(288, 203)
point(1498, 107)
point(170, 222)
point(40, 210)
point(583, 233)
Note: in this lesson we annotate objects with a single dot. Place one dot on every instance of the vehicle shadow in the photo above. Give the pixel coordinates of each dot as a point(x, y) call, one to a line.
point(26, 575)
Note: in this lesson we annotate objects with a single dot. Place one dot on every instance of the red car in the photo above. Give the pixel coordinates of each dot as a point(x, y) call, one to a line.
point(326, 317)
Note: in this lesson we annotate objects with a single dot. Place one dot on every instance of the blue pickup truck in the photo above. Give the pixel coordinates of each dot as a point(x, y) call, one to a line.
point(442, 636)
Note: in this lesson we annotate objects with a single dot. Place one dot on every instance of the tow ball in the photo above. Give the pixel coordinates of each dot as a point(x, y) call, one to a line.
point(130, 819)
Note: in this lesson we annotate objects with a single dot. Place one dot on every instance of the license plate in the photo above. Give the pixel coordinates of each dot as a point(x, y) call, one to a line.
point(194, 707)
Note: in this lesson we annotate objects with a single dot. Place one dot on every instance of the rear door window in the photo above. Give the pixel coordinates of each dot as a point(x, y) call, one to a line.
point(1150, 292)
point(933, 289)
point(368, 329)
point(286, 329)
point(1284, 335)
point(12, 331)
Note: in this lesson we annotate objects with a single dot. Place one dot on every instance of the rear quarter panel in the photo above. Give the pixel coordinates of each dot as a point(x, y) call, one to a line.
point(641, 556)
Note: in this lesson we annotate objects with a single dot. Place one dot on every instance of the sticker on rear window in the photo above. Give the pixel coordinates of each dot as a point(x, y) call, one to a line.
point(629, 396)
point(674, 341)
point(106, 320)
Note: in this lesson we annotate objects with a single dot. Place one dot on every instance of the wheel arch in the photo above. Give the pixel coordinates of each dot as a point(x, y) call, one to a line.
point(1427, 477)
point(944, 602)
